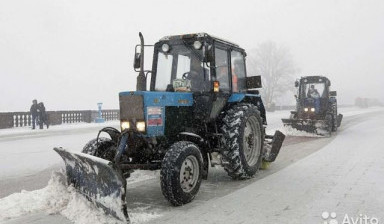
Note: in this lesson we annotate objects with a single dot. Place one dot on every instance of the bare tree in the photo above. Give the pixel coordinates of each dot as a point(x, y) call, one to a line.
point(276, 67)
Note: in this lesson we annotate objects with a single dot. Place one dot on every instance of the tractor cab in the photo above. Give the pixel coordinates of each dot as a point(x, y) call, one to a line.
point(313, 95)
point(198, 63)
point(210, 69)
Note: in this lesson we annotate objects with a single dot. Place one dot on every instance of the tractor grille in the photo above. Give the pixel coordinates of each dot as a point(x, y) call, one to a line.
point(131, 107)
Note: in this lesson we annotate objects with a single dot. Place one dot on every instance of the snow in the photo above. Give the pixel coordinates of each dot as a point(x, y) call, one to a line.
point(345, 177)
point(294, 132)
point(142, 175)
point(27, 131)
point(25, 152)
point(58, 198)
point(351, 111)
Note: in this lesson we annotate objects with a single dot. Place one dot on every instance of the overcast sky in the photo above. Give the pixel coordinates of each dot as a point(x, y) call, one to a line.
point(71, 54)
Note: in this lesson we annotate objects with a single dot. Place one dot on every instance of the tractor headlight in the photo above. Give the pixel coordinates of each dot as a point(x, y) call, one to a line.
point(306, 109)
point(165, 48)
point(312, 109)
point(140, 125)
point(124, 125)
point(197, 45)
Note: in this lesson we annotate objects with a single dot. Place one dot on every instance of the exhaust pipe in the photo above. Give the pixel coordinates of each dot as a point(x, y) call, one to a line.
point(141, 82)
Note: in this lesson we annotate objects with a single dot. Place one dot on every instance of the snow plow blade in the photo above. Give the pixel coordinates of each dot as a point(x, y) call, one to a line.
point(319, 127)
point(273, 145)
point(98, 180)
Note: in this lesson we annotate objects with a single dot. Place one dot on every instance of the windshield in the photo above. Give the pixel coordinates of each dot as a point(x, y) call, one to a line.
point(313, 90)
point(181, 70)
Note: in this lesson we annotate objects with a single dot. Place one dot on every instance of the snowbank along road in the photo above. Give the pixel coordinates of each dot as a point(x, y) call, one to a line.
point(312, 180)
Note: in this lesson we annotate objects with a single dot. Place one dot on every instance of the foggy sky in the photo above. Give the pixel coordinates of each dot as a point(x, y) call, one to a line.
point(73, 54)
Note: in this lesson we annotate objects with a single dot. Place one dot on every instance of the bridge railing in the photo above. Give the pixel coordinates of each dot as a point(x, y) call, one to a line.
point(24, 119)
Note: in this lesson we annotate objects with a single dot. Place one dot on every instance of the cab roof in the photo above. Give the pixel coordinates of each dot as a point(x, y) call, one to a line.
point(314, 79)
point(199, 35)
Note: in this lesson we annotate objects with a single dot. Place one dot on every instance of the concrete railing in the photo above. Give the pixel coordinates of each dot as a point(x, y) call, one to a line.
point(23, 119)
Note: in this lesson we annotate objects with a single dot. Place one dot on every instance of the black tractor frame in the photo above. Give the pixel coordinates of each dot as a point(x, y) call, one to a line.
point(316, 107)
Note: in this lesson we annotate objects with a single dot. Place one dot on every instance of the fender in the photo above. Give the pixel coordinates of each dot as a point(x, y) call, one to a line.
point(112, 132)
point(251, 98)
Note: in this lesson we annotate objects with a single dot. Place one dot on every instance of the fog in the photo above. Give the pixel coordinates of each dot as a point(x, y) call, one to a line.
point(73, 54)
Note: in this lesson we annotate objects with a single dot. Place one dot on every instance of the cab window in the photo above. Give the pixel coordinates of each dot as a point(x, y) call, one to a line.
point(222, 71)
point(238, 71)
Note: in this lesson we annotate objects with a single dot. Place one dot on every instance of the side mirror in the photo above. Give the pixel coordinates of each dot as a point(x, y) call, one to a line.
point(329, 83)
point(295, 96)
point(297, 84)
point(332, 93)
point(253, 82)
point(137, 61)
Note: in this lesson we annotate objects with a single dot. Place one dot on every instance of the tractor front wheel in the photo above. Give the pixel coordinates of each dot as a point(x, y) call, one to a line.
point(181, 173)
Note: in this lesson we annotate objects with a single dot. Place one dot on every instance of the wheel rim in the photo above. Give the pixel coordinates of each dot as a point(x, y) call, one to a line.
point(189, 173)
point(251, 141)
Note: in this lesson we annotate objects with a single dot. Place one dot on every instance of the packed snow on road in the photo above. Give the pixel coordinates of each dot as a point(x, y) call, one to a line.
point(343, 175)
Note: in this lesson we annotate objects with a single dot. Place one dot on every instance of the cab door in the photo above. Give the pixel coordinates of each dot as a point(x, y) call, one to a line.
point(208, 105)
point(223, 75)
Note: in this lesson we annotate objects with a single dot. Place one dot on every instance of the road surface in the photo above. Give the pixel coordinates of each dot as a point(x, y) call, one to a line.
point(305, 180)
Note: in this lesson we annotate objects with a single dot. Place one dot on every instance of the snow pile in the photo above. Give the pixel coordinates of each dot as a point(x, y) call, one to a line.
point(142, 175)
point(139, 215)
point(287, 130)
point(58, 198)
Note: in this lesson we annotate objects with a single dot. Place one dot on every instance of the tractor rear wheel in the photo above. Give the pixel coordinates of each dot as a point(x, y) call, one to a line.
point(329, 125)
point(243, 141)
point(103, 148)
point(181, 173)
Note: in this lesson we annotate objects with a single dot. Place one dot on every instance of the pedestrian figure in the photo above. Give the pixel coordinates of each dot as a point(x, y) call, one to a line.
point(43, 118)
point(34, 113)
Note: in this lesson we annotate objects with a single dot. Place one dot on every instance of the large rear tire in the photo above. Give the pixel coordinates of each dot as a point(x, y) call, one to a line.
point(181, 173)
point(329, 126)
point(243, 141)
point(103, 148)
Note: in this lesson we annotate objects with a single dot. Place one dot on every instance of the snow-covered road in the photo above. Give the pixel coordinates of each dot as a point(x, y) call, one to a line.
point(311, 175)
point(24, 151)
point(345, 177)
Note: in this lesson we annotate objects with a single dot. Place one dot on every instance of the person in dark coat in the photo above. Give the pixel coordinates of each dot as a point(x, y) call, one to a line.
point(43, 118)
point(314, 94)
point(34, 113)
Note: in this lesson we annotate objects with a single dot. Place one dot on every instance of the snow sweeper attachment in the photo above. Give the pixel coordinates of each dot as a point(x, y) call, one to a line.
point(98, 180)
point(320, 127)
point(272, 144)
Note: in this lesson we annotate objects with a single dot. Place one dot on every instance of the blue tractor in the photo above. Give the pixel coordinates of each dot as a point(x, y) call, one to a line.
point(201, 110)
